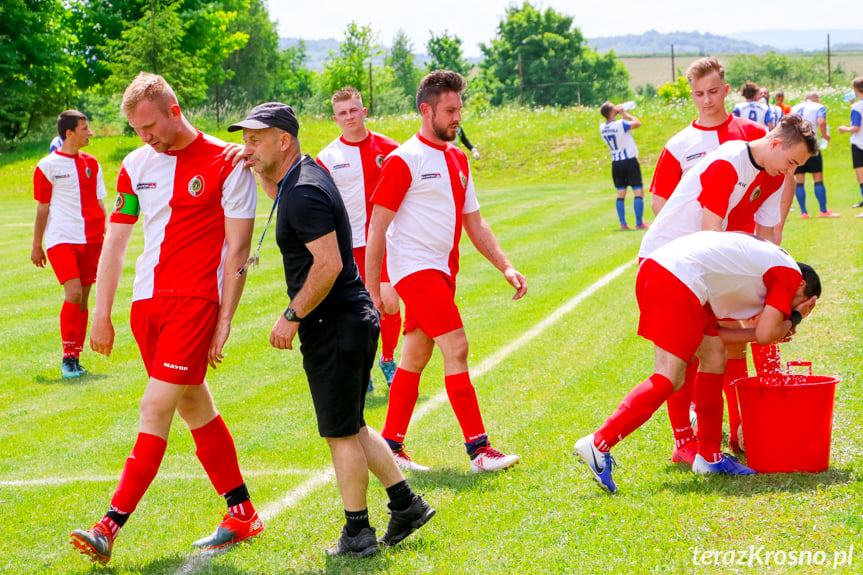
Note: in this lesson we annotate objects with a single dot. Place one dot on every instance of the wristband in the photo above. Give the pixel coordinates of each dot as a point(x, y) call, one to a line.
point(796, 317)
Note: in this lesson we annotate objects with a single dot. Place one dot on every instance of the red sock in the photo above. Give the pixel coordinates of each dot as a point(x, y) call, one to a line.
point(766, 358)
point(462, 397)
point(708, 406)
point(635, 409)
point(140, 470)
point(69, 327)
point(81, 335)
point(734, 370)
point(403, 398)
point(391, 325)
point(218, 455)
point(678, 408)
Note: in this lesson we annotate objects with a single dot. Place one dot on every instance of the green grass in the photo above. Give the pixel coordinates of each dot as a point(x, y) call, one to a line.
point(544, 516)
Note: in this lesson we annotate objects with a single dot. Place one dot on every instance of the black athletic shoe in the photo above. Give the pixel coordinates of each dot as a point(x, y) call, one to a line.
point(403, 523)
point(363, 544)
point(858, 205)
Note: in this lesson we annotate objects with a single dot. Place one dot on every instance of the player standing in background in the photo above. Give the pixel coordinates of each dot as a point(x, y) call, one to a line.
point(752, 109)
point(55, 143)
point(713, 127)
point(779, 98)
point(682, 288)
point(775, 113)
point(423, 200)
point(198, 213)
point(625, 170)
point(69, 187)
point(812, 110)
point(354, 160)
point(856, 135)
point(336, 322)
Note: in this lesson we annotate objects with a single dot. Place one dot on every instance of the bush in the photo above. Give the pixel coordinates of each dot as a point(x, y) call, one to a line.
point(672, 92)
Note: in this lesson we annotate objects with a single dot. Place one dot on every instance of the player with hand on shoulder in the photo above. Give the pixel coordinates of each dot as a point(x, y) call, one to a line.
point(70, 218)
point(625, 170)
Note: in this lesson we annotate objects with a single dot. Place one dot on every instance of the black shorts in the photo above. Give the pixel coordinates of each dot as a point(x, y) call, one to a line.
point(856, 156)
point(626, 173)
point(339, 351)
point(814, 165)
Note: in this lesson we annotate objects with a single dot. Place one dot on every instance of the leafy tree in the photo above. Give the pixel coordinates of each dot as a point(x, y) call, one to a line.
point(401, 61)
point(293, 83)
point(349, 67)
point(673, 92)
point(37, 73)
point(445, 54)
point(557, 67)
point(778, 70)
point(257, 65)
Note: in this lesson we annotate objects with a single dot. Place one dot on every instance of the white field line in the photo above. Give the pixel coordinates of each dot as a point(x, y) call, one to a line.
point(294, 496)
point(161, 476)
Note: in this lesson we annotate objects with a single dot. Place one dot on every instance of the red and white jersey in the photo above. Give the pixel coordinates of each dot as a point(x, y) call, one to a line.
point(692, 143)
point(728, 182)
point(736, 273)
point(753, 110)
point(429, 187)
point(72, 186)
point(356, 168)
point(184, 198)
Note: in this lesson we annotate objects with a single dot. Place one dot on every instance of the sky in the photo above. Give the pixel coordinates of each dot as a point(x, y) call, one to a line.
point(475, 21)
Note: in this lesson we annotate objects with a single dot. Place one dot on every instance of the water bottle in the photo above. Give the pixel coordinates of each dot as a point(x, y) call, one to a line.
point(850, 97)
point(627, 106)
point(824, 142)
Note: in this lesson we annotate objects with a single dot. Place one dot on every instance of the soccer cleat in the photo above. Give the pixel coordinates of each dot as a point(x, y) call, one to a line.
point(804, 216)
point(403, 523)
point(685, 453)
point(858, 205)
point(600, 464)
point(625, 227)
point(404, 461)
point(643, 226)
point(828, 214)
point(859, 216)
point(81, 369)
point(488, 458)
point(363, 544)
point(728, 465)
point(96, 542)
point(231, 530)
point(69, 369)
point(371, 386)
point(389, 369)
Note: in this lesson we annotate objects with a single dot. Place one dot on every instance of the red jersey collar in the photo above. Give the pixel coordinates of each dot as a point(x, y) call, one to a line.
point(59, 153)
point(360, 143)
point(431, 144)
point(714, 128)
point(198, 139)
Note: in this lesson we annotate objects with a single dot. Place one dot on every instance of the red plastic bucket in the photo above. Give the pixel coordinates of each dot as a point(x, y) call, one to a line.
point(787, 421)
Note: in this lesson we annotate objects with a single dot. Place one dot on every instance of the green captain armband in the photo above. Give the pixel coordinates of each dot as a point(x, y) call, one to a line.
point(127, 204)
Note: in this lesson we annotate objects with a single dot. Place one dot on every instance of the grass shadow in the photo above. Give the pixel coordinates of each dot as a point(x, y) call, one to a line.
point(459, 479)
point(755, 485)
point(83, 380)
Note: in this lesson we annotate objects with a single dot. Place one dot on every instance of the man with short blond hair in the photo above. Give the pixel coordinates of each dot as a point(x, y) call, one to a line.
point(354, 161)
point(424, 199)
point(199, 212)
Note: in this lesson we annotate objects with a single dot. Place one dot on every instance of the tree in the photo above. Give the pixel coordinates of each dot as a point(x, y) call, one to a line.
point(401, 60)
point(445, 54)
point(257, 65)
point(350, 66)
point(293, 82)
point(37, 72)
point(555, 65)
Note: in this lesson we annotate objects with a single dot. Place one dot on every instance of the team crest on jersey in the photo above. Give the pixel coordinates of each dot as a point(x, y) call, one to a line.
point(119, 203)
point(88, 172)
point(756, 193)
point(196, 186)
point(379, 160)
point(463, 178)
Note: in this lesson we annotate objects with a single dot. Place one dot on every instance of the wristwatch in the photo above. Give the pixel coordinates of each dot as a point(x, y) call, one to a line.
point(291, 315)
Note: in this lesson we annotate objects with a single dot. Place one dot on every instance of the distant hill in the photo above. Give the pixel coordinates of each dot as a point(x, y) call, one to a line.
point(653, 42)
point(804, 40)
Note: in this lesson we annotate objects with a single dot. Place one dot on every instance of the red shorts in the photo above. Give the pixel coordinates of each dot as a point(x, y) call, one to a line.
point(174, 336)
point(70, 261)
point(671, 316)
point(360, 258)
point(429, 297)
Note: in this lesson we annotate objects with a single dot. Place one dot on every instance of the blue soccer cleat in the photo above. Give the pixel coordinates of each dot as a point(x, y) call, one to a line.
point(371, 386)
point(389, 370)
point(728, 465)
point(600, 464)
point(69, 368)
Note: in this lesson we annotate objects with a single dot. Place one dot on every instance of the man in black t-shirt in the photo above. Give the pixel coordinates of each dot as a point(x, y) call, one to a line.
point(336, 321)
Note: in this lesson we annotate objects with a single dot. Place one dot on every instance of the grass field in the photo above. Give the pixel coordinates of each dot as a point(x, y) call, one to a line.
point(544, 189)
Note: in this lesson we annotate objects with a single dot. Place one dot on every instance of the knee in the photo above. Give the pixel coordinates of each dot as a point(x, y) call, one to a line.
point(154, 413)
point(74, 294)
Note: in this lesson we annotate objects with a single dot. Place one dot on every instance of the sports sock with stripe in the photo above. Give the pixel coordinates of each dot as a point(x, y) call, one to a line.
point(462, 397)
point(635, 409)
point(403, 398)
point(708, 405)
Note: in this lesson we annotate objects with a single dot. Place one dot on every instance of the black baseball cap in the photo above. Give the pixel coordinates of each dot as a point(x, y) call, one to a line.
point(270, 115)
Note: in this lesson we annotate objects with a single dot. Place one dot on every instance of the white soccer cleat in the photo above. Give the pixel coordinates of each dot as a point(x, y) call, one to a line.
point(490, 459)
point(405, 463)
